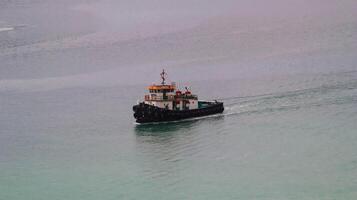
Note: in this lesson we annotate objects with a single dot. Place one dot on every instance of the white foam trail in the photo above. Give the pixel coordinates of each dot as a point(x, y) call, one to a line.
point(83, 41)
point(7, 29)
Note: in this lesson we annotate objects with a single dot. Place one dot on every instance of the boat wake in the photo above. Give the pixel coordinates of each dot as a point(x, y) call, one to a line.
point(335, 94)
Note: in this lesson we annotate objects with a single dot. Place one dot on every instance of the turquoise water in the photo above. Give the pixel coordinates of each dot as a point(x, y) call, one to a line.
point(288, 131)
point(83, 144)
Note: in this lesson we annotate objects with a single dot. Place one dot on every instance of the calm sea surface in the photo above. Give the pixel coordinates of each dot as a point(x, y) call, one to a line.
point(70, 72)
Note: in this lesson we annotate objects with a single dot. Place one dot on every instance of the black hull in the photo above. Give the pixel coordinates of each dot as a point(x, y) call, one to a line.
point(145, 113)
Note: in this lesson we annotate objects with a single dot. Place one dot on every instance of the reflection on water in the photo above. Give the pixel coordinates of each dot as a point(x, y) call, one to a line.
point(175, 136)
point(168, 128)
point(165, 150)
point(162, 128)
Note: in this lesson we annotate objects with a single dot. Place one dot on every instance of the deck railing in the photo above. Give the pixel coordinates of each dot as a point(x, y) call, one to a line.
point(169, 97)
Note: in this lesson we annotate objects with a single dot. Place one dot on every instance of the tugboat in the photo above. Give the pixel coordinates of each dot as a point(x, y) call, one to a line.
point(165, 103)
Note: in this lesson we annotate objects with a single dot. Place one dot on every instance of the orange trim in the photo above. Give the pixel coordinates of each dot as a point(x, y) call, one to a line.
point(161, 87)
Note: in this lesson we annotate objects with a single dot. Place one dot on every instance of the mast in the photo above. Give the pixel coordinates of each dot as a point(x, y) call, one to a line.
point(163, 77)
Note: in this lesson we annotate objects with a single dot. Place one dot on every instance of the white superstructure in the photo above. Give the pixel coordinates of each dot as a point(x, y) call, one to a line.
point(166, 96)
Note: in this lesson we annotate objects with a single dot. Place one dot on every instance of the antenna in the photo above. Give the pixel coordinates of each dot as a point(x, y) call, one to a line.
point(163, 76)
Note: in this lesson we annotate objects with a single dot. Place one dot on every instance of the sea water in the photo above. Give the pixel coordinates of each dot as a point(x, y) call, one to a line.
point(70, 74)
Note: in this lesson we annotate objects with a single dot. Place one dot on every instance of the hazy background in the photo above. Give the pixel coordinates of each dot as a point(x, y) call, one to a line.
point(55, 44)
